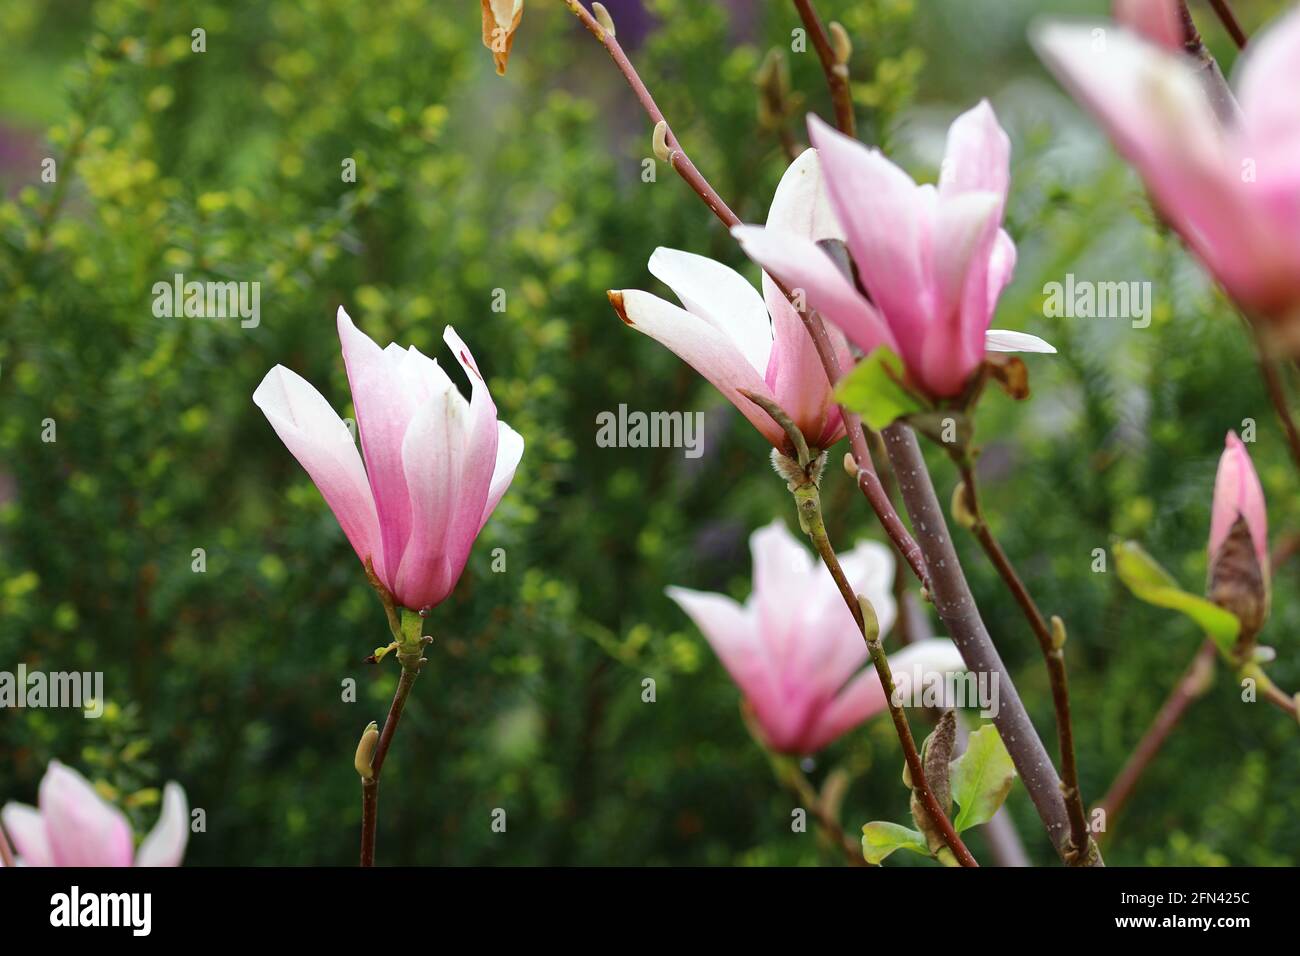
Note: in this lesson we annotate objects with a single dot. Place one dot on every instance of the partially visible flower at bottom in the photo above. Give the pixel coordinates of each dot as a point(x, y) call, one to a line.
point(75, 826)
point(793, 647)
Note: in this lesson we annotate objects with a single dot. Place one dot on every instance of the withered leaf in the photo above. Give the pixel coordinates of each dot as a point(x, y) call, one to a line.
point(500, 21)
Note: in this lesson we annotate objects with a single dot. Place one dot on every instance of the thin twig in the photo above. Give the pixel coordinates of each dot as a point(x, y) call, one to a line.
point(808, 501)
point(1053, 656)
point(837, 73)
point(1269, 372)
point(370, 786)
point(1279, 698)
point(1190, 686)
point(1230, 22)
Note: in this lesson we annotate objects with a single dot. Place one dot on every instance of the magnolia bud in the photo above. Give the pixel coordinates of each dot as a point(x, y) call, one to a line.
point(660, 142)
point(1238, 579)
point(366, 751)
point(962, 513)
point(603, 18)
point(840, 42)
point(936, 757)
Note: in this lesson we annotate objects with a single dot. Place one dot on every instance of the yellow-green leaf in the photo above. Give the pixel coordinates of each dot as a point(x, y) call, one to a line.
point(981, 778)
point(874, 390)
point(1151, 583)
point(879, 839)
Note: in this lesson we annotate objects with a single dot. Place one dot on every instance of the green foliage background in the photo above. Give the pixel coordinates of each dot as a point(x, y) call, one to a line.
point(226, 165)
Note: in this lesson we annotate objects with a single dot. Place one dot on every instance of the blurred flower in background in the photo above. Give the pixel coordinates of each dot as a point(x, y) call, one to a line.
point(1230, 186)
point(794, 648)
point(74, 826)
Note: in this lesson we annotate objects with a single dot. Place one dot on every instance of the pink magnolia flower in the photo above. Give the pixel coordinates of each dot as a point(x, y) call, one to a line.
point(933, 261)
point(75, 826)
point(738, 339)
point(1157, 20)
point(793, 647)
point(435, 467)
point(1238, 548)
point(1231, 190)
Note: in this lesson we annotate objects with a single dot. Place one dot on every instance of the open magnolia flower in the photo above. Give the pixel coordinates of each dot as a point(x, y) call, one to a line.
point(793, 647)
point(1231, 190)
point(75, 826)
point(738, 339)
point(933, 261)
point(1238, 549)
point(435, 467)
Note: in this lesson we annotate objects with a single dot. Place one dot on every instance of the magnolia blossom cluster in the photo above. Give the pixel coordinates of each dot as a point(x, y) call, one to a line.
point(931, 263)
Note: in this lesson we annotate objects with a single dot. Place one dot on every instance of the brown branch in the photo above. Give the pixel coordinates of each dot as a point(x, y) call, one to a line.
point(411, 663)
point(1211, 77)
point(1053, 655)
point(837, 73)
point(956, 608)
point(1230, 23)
point(910, 626)
point(1269, 372)
point(810, 517)
point(1191, 685)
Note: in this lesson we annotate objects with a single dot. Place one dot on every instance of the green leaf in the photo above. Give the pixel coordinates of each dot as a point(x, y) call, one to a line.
point(1151, 583)
point(981, 778)
point(873, 389)
point(879, 839)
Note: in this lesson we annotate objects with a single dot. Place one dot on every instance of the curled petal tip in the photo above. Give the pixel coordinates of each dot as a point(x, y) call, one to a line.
point(616, 300)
